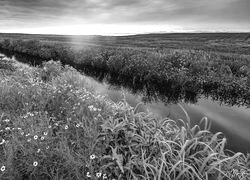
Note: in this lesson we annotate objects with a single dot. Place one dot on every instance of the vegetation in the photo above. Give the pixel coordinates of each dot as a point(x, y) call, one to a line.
point(227, 44)
point(53, 126)
point(188, 70)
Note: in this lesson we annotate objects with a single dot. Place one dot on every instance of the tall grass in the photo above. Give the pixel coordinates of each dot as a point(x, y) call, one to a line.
point(54, 126)
point(191, 70)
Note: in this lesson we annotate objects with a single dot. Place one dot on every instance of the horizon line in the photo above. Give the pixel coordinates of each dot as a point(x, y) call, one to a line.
point(133, 34)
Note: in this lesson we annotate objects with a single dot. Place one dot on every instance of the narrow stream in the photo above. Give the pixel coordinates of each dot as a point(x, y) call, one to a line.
point(232, 120)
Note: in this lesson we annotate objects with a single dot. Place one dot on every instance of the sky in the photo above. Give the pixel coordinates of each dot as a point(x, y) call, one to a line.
point(119, 17)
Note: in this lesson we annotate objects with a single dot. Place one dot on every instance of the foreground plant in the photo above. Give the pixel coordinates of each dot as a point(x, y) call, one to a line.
point(58, 128)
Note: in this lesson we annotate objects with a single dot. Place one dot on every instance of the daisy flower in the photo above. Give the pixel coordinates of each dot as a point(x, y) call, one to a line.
point(92, 156)
point(88, 174)
point(35, 163)
point(3, 168)
point(35, 137)
point(2, 142)
point(98, 174)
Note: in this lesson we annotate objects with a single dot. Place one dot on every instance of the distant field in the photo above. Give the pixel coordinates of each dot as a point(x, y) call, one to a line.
point(238, 43)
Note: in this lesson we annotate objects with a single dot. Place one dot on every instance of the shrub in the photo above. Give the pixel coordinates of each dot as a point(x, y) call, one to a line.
point(244, 70)
point(225, 71)
point(51, 69)
point(6, 65)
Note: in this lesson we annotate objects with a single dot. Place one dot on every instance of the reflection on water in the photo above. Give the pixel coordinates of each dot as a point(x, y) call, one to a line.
point(228, 111)
point(31, 60)
point(171, 91)
point(233, 121)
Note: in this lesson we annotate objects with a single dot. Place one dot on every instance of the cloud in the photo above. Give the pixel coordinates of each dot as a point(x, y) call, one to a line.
point(30, 13)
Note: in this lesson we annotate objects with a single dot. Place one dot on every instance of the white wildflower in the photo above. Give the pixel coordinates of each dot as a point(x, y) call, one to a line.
point(104, 176)
point(92, 156)
point(2, 142)
point(35, 137)
point(35, 163)
point(98, 174)
point(7, 128)
point(88, 174)
point(6, 120)
point(3, 168)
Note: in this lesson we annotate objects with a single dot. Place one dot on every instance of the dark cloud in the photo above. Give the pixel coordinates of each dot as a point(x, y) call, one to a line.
point(179, 12)
point(192, 10)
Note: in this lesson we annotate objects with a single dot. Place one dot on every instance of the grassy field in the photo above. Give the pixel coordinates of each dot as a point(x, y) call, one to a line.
point(54, 126)
point(207, 63)
point(238, 43)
